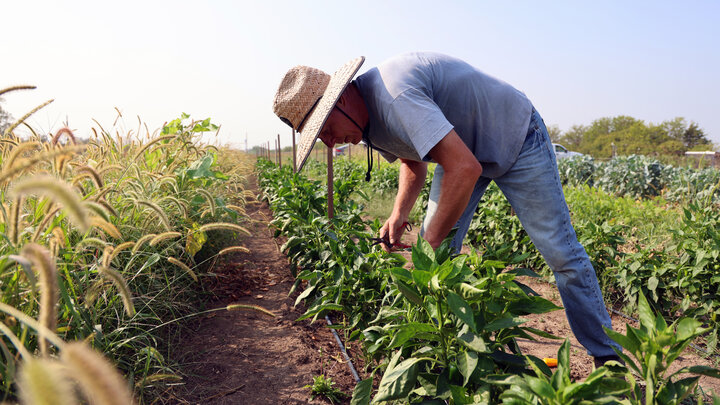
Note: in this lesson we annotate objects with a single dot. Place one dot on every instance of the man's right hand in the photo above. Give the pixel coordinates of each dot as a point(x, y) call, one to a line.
point(394, 227)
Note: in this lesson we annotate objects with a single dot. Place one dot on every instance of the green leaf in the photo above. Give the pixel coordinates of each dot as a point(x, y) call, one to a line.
point(434, 284)
point(406, 331)
point(473, 342)
point(410, 293)
point(361, 393)
point(423, 255)
point(461, 309)
point(522, 271)
point(704, 370)
point(629, 342)
point(645, 314)
point(541, 333)
point(320, 308)
point(541, 387)
point(398, 380)
point(421, 279)
point(467, 361)
point(688, 328)
point(564, 354)
point(504, 323)
point(532, 305)
point(652, 283)
point(399, 273)
point(469, 292)
point(305, 294)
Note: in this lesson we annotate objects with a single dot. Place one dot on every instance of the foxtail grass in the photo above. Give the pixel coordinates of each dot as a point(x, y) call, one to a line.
point(57, 190)
point(223, 225)
point(15, 88)
point(43, 382)
point(106, 226)
point(140, 242)
point(246, 307)
point(12, 127)
point(49, 290)
point(164, 236)
point(159, 211)
point(63, 131)
point(183, 266)
point(99, 381)
point(232, 249)
point(151, 143)
point(119, 281)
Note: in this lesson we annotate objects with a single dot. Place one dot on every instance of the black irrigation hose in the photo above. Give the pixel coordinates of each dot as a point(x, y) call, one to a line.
point(344, 352)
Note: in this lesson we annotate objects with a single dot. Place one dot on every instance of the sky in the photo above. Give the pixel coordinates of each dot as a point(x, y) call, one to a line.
point(577, 61)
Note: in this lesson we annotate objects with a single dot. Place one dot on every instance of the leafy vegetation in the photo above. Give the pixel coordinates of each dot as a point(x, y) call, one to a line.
point(445, 330)
point(99, 244)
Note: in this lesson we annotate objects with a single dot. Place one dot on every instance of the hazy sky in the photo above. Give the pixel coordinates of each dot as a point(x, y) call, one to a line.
point(576, 60)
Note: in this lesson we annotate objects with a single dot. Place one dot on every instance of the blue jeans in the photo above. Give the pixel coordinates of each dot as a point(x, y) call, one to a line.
point(533, 188)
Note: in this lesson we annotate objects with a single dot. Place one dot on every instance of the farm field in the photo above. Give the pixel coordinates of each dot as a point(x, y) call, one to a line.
point(607, 238)
point(129, 254)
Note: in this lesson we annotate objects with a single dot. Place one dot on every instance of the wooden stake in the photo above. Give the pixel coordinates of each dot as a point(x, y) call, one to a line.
point(279, 153)
point(294, 157)
point(331, 208)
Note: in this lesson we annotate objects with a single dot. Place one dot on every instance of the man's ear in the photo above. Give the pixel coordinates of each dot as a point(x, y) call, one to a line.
point(342, 101)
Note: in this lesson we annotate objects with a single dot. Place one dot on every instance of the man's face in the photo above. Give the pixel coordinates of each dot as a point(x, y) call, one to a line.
point(339, 129)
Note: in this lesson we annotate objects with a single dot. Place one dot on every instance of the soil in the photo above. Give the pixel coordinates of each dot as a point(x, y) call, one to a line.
point(247, 357)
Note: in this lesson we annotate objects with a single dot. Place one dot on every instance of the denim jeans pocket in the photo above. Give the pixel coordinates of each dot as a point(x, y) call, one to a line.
point(532, 140)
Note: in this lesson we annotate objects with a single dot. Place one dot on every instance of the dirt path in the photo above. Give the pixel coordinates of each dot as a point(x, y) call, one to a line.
point(245, 357)
point(249, 358)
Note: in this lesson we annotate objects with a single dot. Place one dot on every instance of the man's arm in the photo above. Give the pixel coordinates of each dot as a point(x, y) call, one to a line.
point(410, 182)
point(461, 172)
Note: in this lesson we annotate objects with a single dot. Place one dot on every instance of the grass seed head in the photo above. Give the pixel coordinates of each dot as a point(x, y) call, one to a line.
point(223, 225)
point(99, 381)
point(233, 249)
point(57, 190)
point(164, 236)
point(47, 271)
point(64, 131)
point(43, 382)
point(119, 281)
point(142, 241)
point(183, 266)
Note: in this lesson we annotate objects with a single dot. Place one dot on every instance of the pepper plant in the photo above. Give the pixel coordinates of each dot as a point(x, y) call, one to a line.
point(456, 323)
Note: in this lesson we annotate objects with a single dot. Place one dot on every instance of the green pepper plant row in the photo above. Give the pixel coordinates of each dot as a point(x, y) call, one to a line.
point(445, 330)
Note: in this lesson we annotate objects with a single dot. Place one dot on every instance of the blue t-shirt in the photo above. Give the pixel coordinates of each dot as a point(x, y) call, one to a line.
point(415, 99)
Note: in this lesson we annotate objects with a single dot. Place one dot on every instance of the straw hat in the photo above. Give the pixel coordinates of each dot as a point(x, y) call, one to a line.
point(306, 97)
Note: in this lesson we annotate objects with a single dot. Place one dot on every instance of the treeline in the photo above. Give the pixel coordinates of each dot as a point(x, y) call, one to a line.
point(628, 136)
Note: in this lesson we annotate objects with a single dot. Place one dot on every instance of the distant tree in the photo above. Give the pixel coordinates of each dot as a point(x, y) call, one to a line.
point(573, 137)
point(675, 128)
point(5, 119)
point(694, 136)
point(671, 147)
point(554, 132)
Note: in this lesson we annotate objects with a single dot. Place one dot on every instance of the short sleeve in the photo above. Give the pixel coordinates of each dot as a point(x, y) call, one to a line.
point(415, 116)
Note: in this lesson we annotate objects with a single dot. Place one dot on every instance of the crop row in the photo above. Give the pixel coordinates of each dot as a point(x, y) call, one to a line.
point(641, 177)
point(445, 329)
point(678, 270)
point(101, 243)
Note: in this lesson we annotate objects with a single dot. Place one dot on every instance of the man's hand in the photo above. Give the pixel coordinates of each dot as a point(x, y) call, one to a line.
point(394, 227)
point(410, 181)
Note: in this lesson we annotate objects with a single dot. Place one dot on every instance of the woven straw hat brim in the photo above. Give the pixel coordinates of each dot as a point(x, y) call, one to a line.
point(316, 120)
